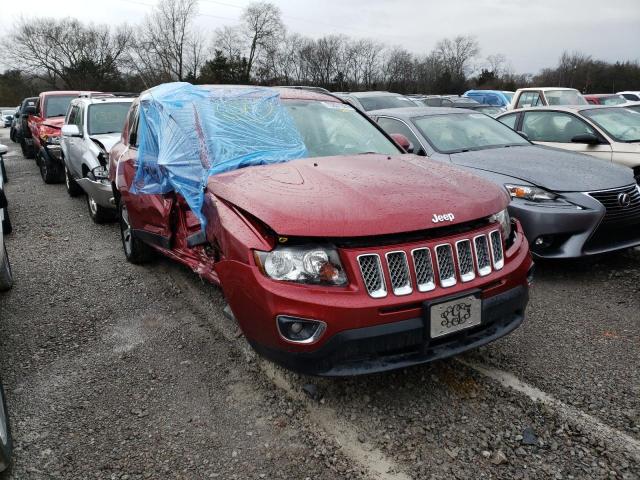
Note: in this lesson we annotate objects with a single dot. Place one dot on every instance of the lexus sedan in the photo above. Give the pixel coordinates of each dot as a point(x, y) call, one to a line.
point(609, 133)
point(570, 205)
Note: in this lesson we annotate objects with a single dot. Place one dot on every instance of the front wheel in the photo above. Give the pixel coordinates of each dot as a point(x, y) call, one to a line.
point(27, 150)
point(49, 171)
point(135, 250)
point(5, 433)
point(73, 189)
point(98, 213)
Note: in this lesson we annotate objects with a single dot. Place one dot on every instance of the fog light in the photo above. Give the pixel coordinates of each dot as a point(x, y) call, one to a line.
point(300, 330)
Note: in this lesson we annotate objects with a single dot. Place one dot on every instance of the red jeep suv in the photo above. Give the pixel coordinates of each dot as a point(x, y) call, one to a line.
point(355, 258)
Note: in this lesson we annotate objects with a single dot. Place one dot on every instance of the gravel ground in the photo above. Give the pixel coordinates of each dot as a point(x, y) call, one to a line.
point(119, 371)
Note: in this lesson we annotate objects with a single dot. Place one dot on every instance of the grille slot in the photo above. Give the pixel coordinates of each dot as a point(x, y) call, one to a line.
point(371, 269)
point(616, 214)
point(446, 267)
point(496, 250)
point(482, 255)
point(465, 260)
point(399, 273)
point(424, 269)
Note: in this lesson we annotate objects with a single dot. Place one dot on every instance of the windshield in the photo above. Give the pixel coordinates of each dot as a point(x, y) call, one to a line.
point(329, 128)
point(565, 97)
point(56, 105)
point(107, 117)
point(509, 95)
point(378, 102)
point(458, 132)
point(613, 100)
point(493, 111)
point(621, 124)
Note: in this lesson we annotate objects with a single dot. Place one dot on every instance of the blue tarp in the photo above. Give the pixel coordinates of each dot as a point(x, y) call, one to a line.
point(187, 133)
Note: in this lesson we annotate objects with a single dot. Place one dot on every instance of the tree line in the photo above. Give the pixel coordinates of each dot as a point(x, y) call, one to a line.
point(47, 53)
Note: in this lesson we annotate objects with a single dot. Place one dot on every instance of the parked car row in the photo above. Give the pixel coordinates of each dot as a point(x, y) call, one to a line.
point(350, 232)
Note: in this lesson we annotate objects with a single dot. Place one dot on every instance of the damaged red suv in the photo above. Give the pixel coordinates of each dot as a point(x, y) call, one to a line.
point(347, 258)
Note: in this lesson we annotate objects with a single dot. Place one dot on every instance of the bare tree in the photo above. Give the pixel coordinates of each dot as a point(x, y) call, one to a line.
point(168, 47)
point(262, 24)
point(456, 54)
point(228, 39)
point(65, 52)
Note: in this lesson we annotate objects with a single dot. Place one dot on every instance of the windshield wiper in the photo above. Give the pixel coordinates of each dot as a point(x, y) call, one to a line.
point(632, 141)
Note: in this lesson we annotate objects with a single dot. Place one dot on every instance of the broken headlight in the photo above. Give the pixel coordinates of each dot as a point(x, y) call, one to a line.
point(312, 264)
point(99, 173)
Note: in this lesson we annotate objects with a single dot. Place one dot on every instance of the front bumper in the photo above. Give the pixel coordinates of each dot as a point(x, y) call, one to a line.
point(403, 344)
point(362, 332)
point(100, 190)
point(570, 231)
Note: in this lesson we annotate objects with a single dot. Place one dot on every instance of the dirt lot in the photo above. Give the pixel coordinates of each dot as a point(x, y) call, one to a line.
point(115, 371)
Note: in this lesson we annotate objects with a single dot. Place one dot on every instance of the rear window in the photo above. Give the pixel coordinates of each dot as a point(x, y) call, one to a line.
point(379, 102)
point(56, 105)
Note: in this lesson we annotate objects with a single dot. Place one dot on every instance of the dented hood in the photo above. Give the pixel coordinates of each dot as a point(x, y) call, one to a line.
point(54, 122)
point(106, 140)
point(354, 196)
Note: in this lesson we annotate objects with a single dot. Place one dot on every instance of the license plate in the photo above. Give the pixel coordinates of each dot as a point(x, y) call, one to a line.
point(455, 315)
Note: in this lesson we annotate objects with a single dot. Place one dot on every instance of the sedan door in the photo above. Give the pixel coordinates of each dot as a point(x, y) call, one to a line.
point(560, 130)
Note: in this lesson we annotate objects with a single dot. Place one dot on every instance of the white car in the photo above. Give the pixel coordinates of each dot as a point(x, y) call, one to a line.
point(611, 133)
point(632, 96)
point(92, 126)
point(544, 96)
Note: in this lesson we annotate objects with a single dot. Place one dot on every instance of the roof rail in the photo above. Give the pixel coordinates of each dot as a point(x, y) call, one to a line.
point(108, 94)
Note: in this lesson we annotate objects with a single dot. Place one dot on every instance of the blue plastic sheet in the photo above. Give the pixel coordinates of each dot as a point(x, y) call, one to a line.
point(187, 133)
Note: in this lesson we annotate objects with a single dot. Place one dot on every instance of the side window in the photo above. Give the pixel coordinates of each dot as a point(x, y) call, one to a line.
point(537, 100)
point(391, 125)
point(510, 120)
point(524, 100)
point(555, 127)
point(631, 96)
point(71, 116)
point(77, 117)
point(132, 139)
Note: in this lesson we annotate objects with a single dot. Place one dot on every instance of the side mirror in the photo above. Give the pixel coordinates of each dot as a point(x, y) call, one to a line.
point(523, 135)
point(588, 138)
point(71, 131)
point(30, 110)
point(3, 149)
point(402, 141)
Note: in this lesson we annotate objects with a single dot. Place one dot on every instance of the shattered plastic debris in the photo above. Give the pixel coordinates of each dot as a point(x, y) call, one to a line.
point(187, 133)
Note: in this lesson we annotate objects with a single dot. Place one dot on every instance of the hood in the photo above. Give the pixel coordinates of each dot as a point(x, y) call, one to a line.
point(549, 168)
point(54, 122)
point(106, 140)
point(356, 196)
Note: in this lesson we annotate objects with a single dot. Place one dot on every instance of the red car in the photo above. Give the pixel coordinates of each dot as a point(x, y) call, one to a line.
point(45, 123)
point(605, 99)
point(356, 259)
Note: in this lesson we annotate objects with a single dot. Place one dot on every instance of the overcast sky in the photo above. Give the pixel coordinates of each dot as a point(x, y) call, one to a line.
point(531, 33)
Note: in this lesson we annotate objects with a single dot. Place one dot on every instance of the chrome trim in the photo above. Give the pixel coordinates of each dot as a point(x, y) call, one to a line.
point(382, 291)
point(449, 281)
point(405, 289)
point(484, 271)
point(466, 277)
point(497, 264)
point(312, 339)
point(428, 286)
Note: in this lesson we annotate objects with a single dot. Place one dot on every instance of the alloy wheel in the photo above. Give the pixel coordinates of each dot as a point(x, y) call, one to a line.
point(125, 229)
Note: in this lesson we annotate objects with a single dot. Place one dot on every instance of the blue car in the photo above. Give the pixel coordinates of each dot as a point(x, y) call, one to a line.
point(498, 98)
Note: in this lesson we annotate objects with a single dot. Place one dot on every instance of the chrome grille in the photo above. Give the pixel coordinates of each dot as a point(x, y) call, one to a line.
point(424, 269)
point(446, 267)
point(399, 273)
point(482, 255)
point(465, 260)
point(617, 214)
point(496, 249)
point(371, 270)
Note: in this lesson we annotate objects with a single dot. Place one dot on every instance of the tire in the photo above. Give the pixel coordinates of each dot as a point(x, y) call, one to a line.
point(73, 189)
point(135, 250)
point(27, 151)
point(4, 171)
point(49, 171)
point(6, 276)
point(98, 213)
point(7, 228)
point(6, 443)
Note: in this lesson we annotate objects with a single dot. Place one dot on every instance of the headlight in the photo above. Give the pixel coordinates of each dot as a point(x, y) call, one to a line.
point(51, 140)
point(533, 194)
point(504, 220)
point(99, 173)
point(313, 264)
